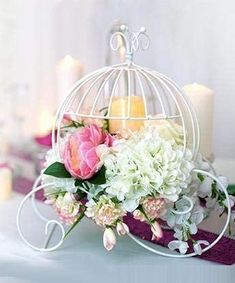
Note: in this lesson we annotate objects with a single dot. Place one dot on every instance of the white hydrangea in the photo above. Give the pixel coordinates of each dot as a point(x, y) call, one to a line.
point(167, 129)
point(146, 164)
point(58, 185)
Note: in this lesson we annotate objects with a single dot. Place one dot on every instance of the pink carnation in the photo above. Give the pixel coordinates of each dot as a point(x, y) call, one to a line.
point(80, 155)
point(67, 208)
point(153, 207)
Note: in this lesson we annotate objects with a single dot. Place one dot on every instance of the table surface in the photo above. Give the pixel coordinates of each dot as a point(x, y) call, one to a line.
point(82, 257)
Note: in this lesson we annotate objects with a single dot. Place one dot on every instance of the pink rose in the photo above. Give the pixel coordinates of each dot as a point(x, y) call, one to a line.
point(80, 156)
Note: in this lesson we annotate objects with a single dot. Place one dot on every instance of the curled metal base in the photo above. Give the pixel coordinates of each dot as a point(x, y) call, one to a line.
point(54, 223)
point(49, 223)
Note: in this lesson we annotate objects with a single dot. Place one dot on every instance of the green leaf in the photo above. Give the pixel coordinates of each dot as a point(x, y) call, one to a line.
point(201, 177)
point(115, 200)
point(58, 170)
point(78, 183)
point(75, 223)
point(99, 177)
point(76, 124)
point(231, 190)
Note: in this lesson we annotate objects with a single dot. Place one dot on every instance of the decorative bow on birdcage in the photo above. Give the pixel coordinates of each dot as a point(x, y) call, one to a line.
point(126, 141)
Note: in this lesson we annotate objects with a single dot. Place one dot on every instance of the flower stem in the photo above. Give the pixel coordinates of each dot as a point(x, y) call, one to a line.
point(75, 223)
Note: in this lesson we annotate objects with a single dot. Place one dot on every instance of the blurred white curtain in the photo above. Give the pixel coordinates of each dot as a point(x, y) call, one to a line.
point(191, 41)
point(7, 59)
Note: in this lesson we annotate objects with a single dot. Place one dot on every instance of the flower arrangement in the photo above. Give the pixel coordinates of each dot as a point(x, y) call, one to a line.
point(146, 173)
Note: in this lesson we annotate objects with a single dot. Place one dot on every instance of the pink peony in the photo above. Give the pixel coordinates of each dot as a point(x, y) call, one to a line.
point(80, 155)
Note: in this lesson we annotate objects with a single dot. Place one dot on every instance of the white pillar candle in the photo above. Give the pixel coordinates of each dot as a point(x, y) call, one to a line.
point(202, 99)
point(68, 71)
point(46, 120)
point(5, 182)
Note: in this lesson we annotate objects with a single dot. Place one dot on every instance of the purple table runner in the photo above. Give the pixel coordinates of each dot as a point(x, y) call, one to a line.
point(223, 252)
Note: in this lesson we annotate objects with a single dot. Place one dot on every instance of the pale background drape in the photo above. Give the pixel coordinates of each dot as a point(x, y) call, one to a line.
point(191, 41)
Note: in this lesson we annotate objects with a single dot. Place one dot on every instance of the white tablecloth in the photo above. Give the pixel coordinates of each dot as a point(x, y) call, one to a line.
point(82, 257)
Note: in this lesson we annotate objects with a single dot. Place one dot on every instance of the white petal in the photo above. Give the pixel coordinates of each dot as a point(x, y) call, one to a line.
point(198, 215)
point(231, 202)
point(197, 246)
point(193, 229)
point(122, 228)
point(183, 247)
point(197, 249)
point(156, 230)
point(180, 245)
point(205, 187)
point(109, 239)
point(224, 181)
point(130, 204)
point(170, 218)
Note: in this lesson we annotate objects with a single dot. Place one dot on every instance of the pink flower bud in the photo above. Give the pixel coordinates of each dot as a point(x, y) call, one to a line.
point(153, 207)
point(138, 215)
point(122, 228)
point(50, 201)
point(109, 239)
point(156, 230)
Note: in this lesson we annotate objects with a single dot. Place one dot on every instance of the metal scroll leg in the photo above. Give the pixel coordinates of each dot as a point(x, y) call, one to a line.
point(50, 225)
point(49, 236)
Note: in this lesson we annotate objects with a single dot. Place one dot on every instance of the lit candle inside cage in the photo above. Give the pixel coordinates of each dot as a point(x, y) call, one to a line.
point(119, 108)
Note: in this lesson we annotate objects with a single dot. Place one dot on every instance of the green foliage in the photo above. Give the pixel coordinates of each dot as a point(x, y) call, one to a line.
point(57, 170)
point(78, 182)
point(99, 177)
point(75, 223)
point(201, 177)
point(231, 190)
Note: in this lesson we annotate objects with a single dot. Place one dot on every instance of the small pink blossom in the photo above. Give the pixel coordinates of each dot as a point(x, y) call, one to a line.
point(109, 239)
point(104, 212)
point(68, 208)
point(138, 215)
point(156, 230)
point(153, 207)
point(80, 156)
point(122, 228)
point(50, 200)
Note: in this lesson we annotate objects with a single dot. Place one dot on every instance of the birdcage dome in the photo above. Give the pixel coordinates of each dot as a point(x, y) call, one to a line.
point(131, 95)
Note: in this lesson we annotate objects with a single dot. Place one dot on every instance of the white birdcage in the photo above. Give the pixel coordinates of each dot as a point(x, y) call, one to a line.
point(99, 96)
point(94, 96)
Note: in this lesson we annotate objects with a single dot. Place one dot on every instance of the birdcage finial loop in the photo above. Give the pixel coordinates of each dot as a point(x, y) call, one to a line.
point(131, 41)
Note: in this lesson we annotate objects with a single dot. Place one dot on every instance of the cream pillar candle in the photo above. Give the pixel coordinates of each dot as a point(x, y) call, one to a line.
point(46, 120)
point(5, 182)
point(202, 99)
point(68, 71)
